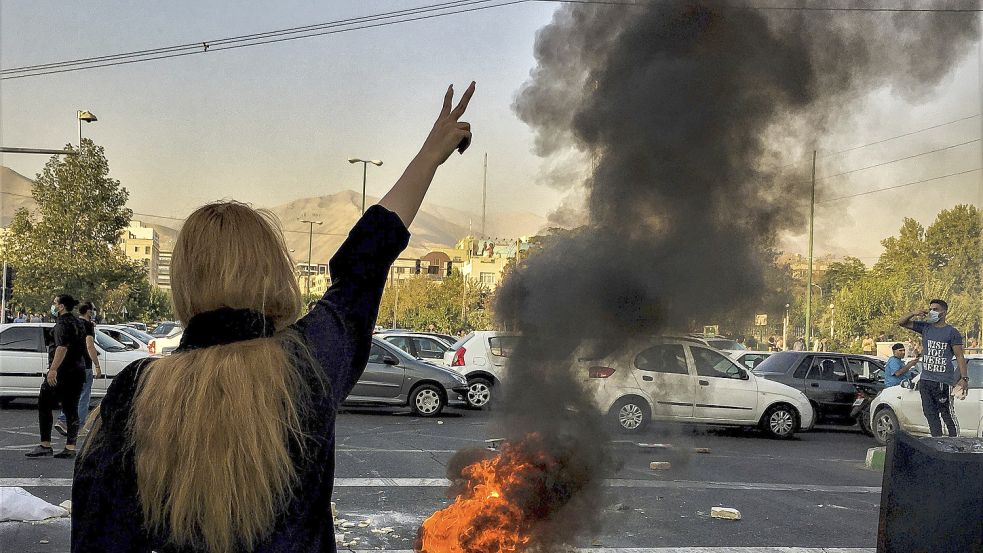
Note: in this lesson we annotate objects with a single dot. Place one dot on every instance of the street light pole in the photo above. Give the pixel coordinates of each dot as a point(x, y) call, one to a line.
point(365, 164)
point(310, 248)
point(812, 225)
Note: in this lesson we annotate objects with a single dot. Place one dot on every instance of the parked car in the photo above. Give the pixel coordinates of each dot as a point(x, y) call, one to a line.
point(749, 359)
point(139, 326)
point(419, 345)
point(24, 358)
point(672, 379)
point(900, 407)
point(481, 357)
point(722, 343)
point(131, 337)
point(167, 329)
point(167, 344)
point(394, 377)
point(827, 379)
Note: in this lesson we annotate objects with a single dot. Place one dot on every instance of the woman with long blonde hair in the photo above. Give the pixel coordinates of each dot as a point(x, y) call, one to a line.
point(227, 445)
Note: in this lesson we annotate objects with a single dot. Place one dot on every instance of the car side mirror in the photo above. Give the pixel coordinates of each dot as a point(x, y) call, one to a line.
point(743, 374)
point(390, 360)
point(906, 384)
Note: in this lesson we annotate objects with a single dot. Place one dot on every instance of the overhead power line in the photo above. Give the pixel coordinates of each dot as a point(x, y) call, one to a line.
point(371, 21)
point(874, 191)
point(883, 163)
point(282, 35)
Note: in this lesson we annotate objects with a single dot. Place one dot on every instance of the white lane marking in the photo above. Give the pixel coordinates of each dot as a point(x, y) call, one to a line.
point(443, 483)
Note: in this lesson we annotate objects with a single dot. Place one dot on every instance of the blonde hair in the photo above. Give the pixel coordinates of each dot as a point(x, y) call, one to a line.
point(212, 428)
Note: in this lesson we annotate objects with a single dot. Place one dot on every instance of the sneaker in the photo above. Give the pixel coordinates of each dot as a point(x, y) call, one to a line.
point(61, 428)
point(39, 451)
point(65, 454)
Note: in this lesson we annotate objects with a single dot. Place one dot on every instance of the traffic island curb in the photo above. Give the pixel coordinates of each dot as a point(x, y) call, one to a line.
point(875, 458)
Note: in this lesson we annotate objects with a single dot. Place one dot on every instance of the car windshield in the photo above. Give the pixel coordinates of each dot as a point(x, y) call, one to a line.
point(461, 342)
point(725, 344)
point(138, 334)
point(778, 362)
point(107, 343)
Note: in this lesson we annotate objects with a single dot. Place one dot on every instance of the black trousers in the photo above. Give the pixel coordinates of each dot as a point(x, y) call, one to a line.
point(67, 392)
point(936, 404)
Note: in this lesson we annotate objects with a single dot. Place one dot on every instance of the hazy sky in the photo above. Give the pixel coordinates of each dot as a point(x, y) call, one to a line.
point(272, 123)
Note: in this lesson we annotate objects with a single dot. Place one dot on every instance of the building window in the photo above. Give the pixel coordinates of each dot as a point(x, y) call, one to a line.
point(146, 250)
point(487, 278)
point(136, 249)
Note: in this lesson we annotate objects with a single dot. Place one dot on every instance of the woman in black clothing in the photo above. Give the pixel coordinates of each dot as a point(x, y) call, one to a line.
point(228, 444)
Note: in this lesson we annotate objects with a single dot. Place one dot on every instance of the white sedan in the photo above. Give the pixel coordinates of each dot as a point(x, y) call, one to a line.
point(24, 358)
point(901, 407)
point(682, 380)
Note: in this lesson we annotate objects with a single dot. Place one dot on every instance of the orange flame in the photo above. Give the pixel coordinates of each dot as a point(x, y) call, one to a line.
point(487, 517)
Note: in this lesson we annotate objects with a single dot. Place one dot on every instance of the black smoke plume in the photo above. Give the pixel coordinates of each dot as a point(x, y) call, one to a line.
point(689, 113)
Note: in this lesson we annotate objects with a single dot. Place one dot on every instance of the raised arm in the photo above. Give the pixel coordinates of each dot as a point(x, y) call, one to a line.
point(448, 134)
point(906, 321)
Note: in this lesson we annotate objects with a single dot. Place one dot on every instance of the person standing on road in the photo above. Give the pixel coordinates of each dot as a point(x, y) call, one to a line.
point(941, 343)
point(92, 369)
point(868, 345)
point(897, 370)
point(21, 317)
point(228, 444)
point(65, 378)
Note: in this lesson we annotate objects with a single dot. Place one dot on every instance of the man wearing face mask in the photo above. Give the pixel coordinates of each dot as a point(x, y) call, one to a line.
point(941, 343)
point(65, 378)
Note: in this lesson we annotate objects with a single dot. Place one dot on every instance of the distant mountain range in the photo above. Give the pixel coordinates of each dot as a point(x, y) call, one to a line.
point(434, 226)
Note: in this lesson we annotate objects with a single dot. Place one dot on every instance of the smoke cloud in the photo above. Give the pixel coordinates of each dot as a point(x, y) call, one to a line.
point(690, 113)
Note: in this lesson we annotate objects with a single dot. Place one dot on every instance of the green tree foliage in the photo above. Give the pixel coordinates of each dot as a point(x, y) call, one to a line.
point(917, 265)
point(70, 242)
point(453, 305)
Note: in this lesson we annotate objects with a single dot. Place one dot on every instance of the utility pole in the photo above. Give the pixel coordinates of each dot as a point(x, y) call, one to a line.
point(812, 225)
point(3, 295)
point(484, 196)
point(310, 248)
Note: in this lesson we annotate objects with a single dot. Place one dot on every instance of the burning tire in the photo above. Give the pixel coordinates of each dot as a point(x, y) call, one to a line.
point(780, 421)
point(885, 425)
point(631, 414)
point(427, 401)
point(479, 393)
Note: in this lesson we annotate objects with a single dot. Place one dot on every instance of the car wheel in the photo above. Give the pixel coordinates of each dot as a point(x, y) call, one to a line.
point(479, 393)
point(631, 415)
point(427, 401)
point(885, 425)
point(780, 421)
point(864, 420)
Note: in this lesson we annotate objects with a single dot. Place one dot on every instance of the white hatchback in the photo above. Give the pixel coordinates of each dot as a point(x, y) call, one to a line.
point(683, 381)
point(482, 358)
point(900, 407)
point(24, 358)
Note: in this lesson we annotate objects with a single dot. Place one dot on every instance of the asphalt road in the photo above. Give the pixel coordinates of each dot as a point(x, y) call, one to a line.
point(810, 492)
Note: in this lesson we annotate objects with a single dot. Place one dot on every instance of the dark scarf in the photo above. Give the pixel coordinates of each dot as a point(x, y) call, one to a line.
point(225, 326)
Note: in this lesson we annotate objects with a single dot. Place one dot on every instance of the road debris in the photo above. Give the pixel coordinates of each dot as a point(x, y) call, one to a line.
point(701, 450)
point(660, 465)
point(725, 513)
point(655, 446)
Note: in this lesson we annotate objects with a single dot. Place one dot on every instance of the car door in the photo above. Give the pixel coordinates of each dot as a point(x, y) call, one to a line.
point(499, 351)
point(23, 360)
point(381, 381)
point(663, 373)
point(828, 385)
point(428, 348)
point(970, 410)
point(723, 391)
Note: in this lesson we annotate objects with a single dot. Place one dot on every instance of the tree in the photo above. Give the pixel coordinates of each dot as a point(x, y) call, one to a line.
point(456, 304)
point(70, 243)
point(841, 274)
